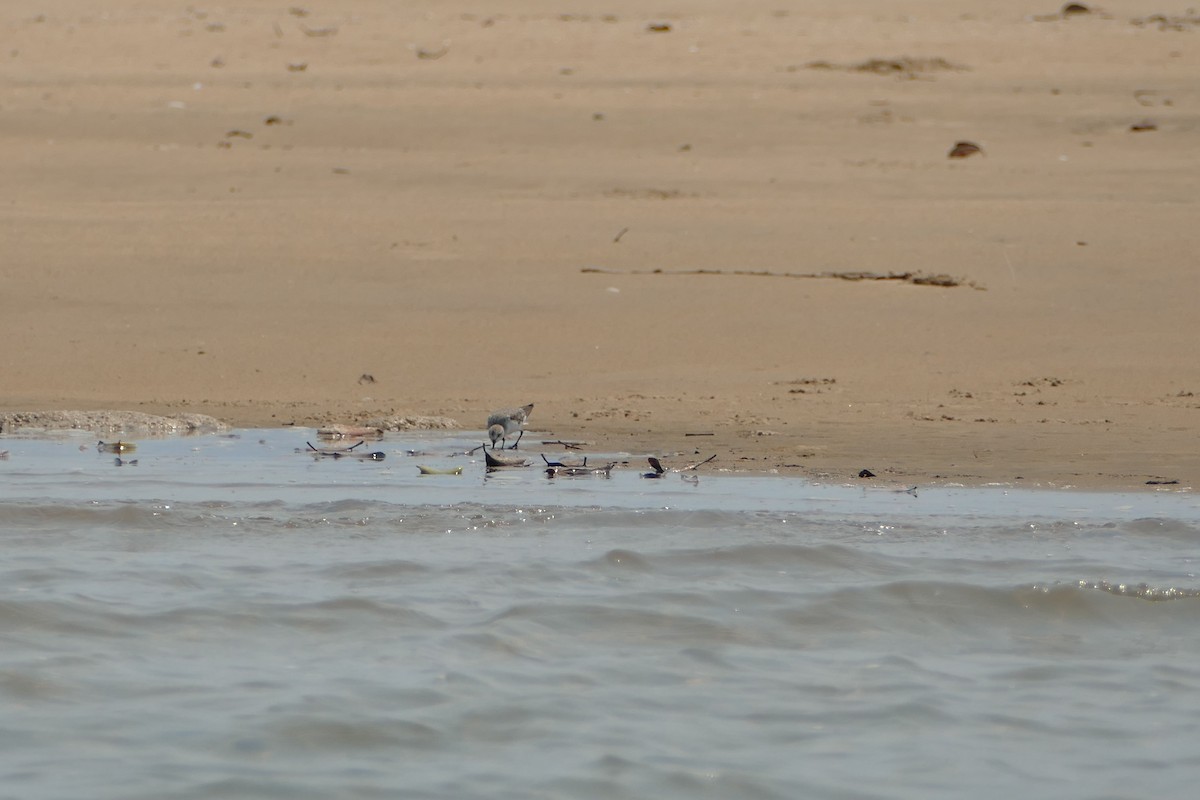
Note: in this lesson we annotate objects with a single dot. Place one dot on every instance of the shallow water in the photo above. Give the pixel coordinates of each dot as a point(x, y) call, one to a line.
point(233, 618)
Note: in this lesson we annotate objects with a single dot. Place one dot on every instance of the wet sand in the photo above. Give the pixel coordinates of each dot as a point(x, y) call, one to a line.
point(640, 223)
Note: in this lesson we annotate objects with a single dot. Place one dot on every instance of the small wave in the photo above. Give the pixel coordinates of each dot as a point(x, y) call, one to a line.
point(626, 560)
point(940, 608)
point(333, 614)
point(240, 788)
point(267, 516)
point(59, 617)
point(374, 570)
point(591, 621)
point(309, 733)
point(820, 558)
point(1142, 591)
point(89, 617)
point(81, 516)
point(1167, 528)
point(25, 685)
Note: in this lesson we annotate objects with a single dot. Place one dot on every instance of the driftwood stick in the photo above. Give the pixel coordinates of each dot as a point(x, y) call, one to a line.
point(326, 451)
point(606, 470)
point(660, 470)
point(568, 445)
point(916, 278)
point(697, 464)
point(346, 452)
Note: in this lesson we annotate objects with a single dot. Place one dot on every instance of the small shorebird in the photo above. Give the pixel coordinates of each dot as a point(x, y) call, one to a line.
point(509, 420)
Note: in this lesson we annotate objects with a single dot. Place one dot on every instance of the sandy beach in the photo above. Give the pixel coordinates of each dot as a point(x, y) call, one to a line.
point(727, 228)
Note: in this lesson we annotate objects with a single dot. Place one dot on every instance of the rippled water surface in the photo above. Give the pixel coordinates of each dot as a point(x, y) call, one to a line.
point(232, 618)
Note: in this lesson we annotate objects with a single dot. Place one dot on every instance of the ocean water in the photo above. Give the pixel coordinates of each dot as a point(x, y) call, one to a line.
point(233, 618)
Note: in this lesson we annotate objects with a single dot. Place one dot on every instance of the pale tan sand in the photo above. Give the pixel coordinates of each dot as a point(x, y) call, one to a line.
point(193, 223)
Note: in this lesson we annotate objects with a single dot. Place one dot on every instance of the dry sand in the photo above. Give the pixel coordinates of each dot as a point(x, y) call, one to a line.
point(240, 211)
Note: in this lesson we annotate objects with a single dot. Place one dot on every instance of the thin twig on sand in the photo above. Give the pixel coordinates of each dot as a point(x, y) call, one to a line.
point(660, 470)
point(554, 471)
point(346, 452)
point(697, 464)
point(550, 463)
point(568, 445)
point(915, 278)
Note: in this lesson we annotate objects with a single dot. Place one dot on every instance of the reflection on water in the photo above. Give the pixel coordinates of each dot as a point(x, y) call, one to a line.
point(230, 617)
